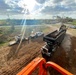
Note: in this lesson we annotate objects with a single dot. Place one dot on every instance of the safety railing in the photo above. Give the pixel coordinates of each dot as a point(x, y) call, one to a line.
point(42, 67)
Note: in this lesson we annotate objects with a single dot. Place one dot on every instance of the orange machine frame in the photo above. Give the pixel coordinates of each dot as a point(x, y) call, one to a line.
point(42, 67)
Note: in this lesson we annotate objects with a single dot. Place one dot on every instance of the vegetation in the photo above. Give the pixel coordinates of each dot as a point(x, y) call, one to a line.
point(8, 32)
point(65, 19)
point(74, 22)
point(12, 28)
point(8, 29)
point(68, 19)
point(3, 22)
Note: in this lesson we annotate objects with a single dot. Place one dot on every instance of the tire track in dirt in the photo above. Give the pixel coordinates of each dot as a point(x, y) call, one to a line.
point(29, 51)
point(26, 54)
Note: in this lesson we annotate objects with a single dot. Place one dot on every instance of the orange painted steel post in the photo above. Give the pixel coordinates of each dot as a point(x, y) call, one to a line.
point(28, 70)
point(42, 67)
point(42, 70)
point(32, 66)
point(58, 68)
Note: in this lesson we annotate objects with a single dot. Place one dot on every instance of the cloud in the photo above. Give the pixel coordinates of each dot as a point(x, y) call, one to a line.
point(3, 7)
point(41, 1)
point(20, 6)
point(57, 1)
point(59, 6)
point(42, 7)
point(50, 10)
point(14, 8)
point(8, 7)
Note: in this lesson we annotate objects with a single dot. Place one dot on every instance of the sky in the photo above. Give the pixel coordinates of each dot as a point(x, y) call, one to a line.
point(37, 9)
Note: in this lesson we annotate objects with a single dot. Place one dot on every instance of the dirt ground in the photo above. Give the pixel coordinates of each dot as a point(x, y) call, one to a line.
point(65, 56)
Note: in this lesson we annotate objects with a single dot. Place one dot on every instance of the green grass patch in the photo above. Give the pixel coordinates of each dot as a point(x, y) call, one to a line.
point(3, 44)
point(74, 22)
